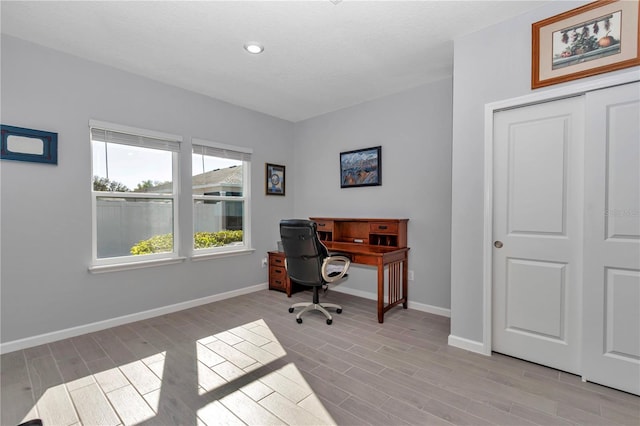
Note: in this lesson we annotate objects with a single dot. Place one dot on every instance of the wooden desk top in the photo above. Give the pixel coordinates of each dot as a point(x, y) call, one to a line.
point(366, 249)
point(365, 254)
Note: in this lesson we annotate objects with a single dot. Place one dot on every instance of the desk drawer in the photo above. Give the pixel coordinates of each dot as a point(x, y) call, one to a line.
point(277, 272)
point(277, 278)
point(325, 225)
point(383, 227)
point(276, 260)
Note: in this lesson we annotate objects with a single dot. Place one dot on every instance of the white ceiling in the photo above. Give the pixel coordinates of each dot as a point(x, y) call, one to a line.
point(319, 56)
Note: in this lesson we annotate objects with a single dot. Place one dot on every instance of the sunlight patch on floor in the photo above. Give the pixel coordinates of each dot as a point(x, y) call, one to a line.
point(282, 395)
point(127, 389)
point(237, 376)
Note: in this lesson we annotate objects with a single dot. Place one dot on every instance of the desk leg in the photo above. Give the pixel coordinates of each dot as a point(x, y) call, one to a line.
point(405, 279)
point(398, 277)
point(380, 291)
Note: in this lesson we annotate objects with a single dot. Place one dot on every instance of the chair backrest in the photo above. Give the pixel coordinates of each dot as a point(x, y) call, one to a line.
point(303, 250)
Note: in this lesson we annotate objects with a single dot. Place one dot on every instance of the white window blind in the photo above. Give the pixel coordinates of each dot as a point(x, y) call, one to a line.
point(111, 136)
point(215, 149)
point(222, 152)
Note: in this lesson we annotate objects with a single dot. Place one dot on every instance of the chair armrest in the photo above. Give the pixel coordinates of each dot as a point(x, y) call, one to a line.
point(335, 260)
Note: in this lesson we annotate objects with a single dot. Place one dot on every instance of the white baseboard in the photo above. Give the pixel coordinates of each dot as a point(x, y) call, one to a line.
point(469, 345)
point(422, 307)
point(436, 310)
point(41, 339)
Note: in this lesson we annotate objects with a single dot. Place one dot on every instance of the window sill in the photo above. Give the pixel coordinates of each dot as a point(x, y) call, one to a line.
point(100, 269)
point(207, 256)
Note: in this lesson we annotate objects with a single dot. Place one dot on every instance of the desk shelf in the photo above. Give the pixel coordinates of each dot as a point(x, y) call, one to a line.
point(373, 232)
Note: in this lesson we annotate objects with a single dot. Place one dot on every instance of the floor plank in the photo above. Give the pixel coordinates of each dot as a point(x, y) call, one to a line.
point(93, 407)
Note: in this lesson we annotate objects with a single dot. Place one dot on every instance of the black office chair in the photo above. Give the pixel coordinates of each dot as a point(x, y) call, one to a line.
point(308, 262)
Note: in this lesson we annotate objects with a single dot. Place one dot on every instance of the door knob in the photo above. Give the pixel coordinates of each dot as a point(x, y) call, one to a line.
point(498, 244)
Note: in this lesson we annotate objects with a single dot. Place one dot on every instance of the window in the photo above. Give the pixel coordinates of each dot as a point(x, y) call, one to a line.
point(220, 187)
point(134, 192)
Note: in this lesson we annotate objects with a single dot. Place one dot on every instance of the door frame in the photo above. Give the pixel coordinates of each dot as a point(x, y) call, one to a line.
point(489, 110)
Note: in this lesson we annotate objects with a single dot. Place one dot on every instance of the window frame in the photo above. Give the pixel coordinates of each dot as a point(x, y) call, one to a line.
point(136, 261)
point(199, 254)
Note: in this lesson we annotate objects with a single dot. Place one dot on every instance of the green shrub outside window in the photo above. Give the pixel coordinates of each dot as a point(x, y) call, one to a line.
point(164, 243)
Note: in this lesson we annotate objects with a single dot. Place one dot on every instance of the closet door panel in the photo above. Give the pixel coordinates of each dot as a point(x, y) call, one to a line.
point(611, 293)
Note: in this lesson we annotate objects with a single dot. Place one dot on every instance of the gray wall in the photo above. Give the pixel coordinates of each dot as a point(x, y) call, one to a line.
point(489, 65)
point(414, 130)
point(46, 210)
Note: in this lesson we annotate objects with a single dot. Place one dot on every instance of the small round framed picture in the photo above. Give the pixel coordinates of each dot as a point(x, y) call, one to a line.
point(275, 179)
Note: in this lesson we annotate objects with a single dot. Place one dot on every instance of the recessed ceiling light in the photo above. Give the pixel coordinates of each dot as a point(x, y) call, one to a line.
point(253, 47)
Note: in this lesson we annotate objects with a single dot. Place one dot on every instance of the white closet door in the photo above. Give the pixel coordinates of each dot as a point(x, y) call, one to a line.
point(538, 205)
point(611, 322)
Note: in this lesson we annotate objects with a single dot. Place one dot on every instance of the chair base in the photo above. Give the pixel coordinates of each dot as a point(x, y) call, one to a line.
point(32, 422)
point(310, 306)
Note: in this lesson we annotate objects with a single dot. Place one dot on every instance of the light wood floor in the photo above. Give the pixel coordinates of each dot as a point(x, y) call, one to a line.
point(246, 361)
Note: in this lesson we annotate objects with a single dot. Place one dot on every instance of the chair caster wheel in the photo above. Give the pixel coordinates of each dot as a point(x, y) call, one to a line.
point(329, 322)
point(299, 320)
point(290, 310)
point(338, 311)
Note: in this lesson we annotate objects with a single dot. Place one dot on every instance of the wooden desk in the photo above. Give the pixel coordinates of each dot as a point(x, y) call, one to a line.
point(376, 242)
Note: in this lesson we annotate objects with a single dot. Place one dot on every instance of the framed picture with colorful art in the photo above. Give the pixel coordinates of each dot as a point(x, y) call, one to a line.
point(592, 39)
point(361, 167)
